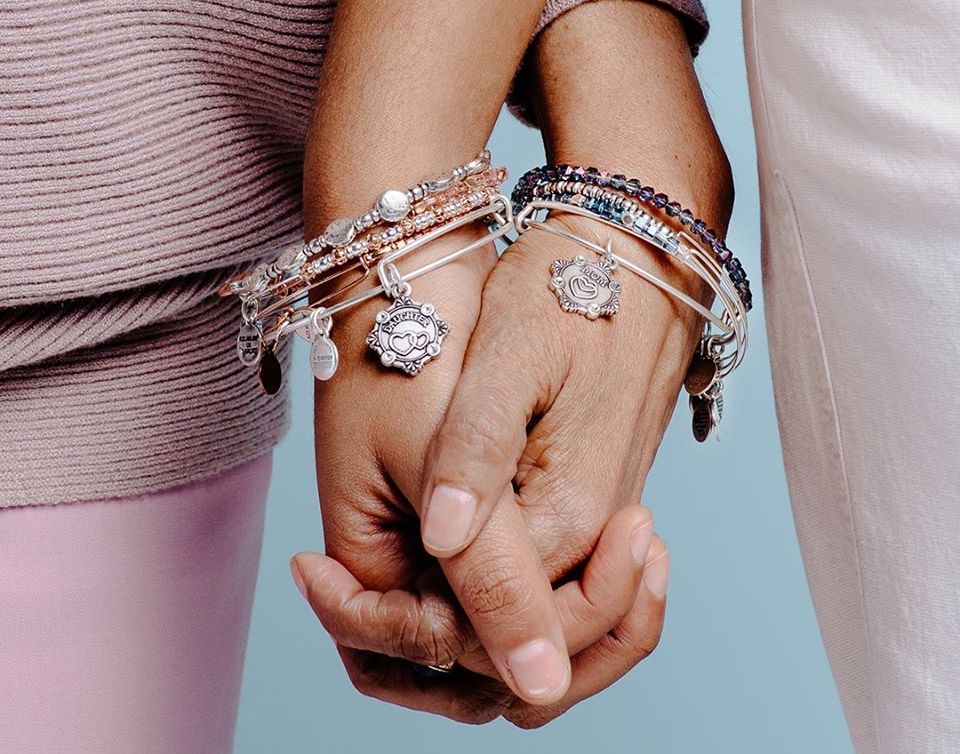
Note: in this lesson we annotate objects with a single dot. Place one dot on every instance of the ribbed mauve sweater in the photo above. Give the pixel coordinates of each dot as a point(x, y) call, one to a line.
point(147, 149)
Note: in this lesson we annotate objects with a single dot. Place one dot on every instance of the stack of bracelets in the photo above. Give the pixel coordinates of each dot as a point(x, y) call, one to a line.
point(588, 287)
point(408, 334)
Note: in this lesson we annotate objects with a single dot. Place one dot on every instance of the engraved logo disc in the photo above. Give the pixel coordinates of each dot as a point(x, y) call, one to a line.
point(340, 232)
point(584, 287)
point(249, 345)
point(324, 357)
point(407, 335)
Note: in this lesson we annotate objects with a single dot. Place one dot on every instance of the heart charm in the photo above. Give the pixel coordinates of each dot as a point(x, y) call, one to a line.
point(407, 335)
point(403, 343)
point(584, 287)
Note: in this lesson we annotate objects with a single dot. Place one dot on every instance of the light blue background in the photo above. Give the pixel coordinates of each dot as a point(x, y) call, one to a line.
point(740, 667)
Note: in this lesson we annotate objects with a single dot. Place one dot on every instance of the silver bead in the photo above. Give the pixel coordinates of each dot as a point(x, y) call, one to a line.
point(393, 205)
point(340, 232)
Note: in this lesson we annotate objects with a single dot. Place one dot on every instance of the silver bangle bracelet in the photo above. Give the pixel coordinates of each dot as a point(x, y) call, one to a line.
point(589, 288)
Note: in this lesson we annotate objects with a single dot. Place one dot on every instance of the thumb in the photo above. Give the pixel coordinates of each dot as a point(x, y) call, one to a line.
point(475, 452)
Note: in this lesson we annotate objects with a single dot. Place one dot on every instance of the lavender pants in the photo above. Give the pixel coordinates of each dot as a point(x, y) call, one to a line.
point(123, 623)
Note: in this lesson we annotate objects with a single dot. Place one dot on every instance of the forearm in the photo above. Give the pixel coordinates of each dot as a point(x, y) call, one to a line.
point(613, 85)
point(408, 89)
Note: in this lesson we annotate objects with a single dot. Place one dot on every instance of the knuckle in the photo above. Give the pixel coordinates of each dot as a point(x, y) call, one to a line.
point(368, 677)
point(483, 706)
point(567, 537)
point(434, 637)
point(495, 589)
point(481, 434)
point(637, 636)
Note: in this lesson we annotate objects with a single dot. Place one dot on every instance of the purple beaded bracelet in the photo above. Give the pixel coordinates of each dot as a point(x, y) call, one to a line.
point(528, 185)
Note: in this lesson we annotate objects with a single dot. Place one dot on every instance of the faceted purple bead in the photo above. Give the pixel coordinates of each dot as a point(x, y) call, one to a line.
point(633, 187)
point(660, 201)
point(673, 209)
point(686, 217)
point(646, 193)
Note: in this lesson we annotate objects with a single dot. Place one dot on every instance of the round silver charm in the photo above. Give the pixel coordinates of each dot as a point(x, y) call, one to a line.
point(407, 334)
point(585, 287)
point(340, 232)
point(393, 205)
point(324, 357)
point(249, 345)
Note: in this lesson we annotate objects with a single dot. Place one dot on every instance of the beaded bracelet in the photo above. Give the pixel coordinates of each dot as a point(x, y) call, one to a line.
point(590, 289)
point(283, 278)
point(314, 272)
point(395, 204)
point(532, 183)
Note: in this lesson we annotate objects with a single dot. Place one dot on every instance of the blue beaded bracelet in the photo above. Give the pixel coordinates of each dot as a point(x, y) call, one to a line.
point(537, 183)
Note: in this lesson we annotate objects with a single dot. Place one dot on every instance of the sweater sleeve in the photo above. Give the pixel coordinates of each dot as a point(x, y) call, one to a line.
point(691, 13)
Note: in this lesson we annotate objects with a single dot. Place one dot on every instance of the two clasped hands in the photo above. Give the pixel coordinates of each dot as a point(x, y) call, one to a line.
point(486, 512)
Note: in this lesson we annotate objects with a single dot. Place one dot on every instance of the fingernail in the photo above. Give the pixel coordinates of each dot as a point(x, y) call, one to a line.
point(298, 577)
point(450, 514)
point(640, 542)
point(538, 669)
point(655, 575)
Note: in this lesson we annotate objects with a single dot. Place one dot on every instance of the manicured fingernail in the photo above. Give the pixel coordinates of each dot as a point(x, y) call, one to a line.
point(450, 514)
point(655, 575)
point(538, 669)
point(640, 542)
point(298, 577)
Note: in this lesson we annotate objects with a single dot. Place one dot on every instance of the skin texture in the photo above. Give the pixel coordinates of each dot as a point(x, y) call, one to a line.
point(547, 421)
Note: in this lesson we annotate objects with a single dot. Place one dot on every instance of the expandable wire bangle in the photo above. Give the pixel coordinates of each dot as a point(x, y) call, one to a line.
point(314, 274)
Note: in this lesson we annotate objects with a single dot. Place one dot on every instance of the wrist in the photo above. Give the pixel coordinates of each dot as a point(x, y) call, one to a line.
point(646, 120)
